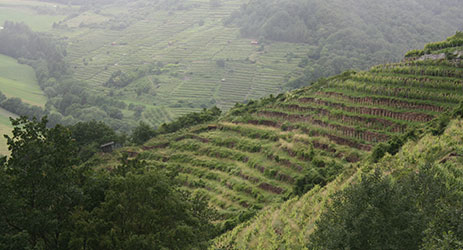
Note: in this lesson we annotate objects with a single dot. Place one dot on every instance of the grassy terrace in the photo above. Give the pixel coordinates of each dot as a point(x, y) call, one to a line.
point(386, 100)
point(255, 155)
point(291, 223)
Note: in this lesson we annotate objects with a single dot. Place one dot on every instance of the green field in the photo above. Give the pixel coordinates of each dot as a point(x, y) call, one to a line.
point(18, 80)
point(187, 39)
point(31, 13)
point(199, 62)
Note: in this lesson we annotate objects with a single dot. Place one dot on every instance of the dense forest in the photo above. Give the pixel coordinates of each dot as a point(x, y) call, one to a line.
point(346, 34)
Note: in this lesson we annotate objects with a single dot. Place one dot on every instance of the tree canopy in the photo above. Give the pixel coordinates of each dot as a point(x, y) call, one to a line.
point(49, 202)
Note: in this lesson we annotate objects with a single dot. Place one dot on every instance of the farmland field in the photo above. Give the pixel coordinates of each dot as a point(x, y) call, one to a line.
point(16, 80)
point(26, 12)
point(203, 63)
point(189, 43)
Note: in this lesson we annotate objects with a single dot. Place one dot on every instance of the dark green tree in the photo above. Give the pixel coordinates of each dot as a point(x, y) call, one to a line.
point(376, 213)
point(142, 133)
point(38, 187)
point(89, 136)
point(144, 208)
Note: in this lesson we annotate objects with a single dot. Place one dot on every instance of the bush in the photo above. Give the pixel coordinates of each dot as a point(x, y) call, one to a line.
point(374, 214)
point(142, 133)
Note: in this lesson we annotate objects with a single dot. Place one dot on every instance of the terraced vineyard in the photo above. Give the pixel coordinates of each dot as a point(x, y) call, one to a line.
point(260, 153)
point(192, 39)
point(290, 224)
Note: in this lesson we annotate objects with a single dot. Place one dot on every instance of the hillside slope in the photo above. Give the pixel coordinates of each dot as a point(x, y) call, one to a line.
point(289, 225)
point(262, 153)
point(156, 60)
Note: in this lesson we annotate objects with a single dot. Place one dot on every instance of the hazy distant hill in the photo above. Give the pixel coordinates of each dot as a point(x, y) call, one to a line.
point(152, 61)
point(348, 34)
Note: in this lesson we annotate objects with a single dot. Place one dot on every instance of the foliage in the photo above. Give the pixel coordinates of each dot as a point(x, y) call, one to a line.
point(19, 41)
point(308, 181)
point(47, 202)
point(142, 133)
point(17, 106)
point(374, 214)
point(39, 189)
point(188, 120)
point(65, 94)
point(378, 213)
point(148, 211)
point(89, 136)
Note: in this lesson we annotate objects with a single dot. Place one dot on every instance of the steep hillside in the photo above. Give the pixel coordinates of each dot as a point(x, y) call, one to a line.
point(261, 153)
point(290, 224)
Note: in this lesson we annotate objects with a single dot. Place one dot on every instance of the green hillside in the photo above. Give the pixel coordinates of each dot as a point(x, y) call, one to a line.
point(361, 160)
point(189, 39)
point(156, 60)
point(39, 15)
point(261, 153)
point(290, 224)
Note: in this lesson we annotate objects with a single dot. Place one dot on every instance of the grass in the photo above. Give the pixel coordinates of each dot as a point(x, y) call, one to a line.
point(18, 80)
point(28, 13)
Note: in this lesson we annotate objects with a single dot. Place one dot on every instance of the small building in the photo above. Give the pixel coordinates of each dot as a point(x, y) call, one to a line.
point(1, 27)
point(108, 147)
point(255, 42)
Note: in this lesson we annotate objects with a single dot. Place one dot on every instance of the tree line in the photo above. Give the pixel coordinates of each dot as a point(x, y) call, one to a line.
point(48, 201)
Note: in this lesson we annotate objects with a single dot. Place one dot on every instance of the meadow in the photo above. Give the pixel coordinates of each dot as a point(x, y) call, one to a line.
point(17, 80)
point(26, 12)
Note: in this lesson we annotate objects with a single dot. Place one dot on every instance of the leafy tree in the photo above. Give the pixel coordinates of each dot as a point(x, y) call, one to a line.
point(39, 187)
point(142, 133)
point(419, 210)
point(47, 202)
point(376, 213)
point(89, 136)
point(144, 209)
